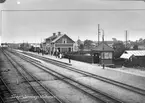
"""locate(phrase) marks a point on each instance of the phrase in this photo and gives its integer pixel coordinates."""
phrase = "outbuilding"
(134, 57)
(103, 54)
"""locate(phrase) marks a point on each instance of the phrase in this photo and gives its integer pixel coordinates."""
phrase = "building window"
(64, 40)
(107, 55)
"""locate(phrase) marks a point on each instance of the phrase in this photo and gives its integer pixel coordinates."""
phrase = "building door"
(58, 49)
(96, 57)
(69, 49)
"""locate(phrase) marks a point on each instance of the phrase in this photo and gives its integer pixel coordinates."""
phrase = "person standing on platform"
(60, 55)
(69, 59)
(42, 52)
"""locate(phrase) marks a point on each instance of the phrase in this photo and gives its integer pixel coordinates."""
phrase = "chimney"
(59, 33)
(54, 34)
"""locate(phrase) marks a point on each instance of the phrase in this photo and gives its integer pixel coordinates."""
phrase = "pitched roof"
(128, 53)
(51, 37)
(100, 47)
(60, 37)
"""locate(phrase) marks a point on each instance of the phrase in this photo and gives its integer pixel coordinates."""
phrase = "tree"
(88, 44)
(32, 48)
(114, 39)
(79, 42)
(119, 48)
(140, 40)
(2, 1)
(25, 46)
(135, 47)
(81, 47)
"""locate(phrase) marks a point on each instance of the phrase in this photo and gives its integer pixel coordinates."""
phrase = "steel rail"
(95, 90)
(9, 90)
(104, 79)
(44, 87)
(101, 78)
(2, 100)
(24, 77)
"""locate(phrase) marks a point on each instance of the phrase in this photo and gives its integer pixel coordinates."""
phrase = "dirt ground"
(140, 71)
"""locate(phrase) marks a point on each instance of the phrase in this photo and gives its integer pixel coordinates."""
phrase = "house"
(58, 43)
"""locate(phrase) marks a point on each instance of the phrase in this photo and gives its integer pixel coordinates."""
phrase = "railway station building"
(58, 43)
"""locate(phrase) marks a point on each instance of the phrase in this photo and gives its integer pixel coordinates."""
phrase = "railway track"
(6, 93)
(110, 81)
(43, 93)
(97, 94)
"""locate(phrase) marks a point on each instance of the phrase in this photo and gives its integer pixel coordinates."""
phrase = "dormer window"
(64, 40)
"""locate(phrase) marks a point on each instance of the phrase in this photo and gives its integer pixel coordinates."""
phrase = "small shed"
(103, 53)
(134, 57)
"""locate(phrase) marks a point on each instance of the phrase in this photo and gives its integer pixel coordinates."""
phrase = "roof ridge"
(58, 37)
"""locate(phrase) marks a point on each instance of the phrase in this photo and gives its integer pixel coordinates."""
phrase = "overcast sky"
(33, 26)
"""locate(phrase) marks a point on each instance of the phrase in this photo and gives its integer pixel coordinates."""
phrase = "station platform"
(129, 78)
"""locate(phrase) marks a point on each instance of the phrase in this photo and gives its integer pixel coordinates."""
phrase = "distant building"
(35, 44)
(25, 46)
(58, 42)
(110, 43)
(4, 45)
(140, 46)
(14, 45)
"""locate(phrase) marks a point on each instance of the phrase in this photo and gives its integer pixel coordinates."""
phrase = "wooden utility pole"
(103, 48)
(126, 39)
(98, 33)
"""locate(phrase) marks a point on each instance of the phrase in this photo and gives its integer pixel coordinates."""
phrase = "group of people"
(58, 55)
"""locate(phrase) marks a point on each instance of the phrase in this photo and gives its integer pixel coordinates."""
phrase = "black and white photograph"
(72, 51)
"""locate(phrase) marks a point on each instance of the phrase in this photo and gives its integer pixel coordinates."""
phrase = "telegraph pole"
(98, 33)
(103, 49)
(41, 46)
(126, 35)
(50, 47)
(23, 46)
